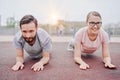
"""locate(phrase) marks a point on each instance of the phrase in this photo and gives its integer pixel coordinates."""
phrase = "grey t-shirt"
(43, 43)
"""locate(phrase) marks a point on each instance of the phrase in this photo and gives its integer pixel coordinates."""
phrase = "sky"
(49, 11)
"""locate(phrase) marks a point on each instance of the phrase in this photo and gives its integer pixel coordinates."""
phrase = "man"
(36, 42)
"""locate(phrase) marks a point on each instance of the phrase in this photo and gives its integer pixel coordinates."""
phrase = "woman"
(88, 40)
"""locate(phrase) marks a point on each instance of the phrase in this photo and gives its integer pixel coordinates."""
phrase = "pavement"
(9, 38)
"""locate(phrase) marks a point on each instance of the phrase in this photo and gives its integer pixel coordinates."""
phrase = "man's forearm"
(44, 60)
(19, 59)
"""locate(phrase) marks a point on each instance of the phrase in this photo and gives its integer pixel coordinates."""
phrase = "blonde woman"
(88, 39)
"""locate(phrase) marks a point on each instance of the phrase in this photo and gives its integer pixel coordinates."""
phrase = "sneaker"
(70, 47)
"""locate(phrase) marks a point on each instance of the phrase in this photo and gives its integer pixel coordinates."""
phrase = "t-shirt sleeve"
(45, 40)
(78, 36)
(16, 43)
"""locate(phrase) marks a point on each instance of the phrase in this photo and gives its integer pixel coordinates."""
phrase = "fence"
(52, 31)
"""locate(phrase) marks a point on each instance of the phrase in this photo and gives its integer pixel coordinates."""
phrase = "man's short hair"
(27, 19)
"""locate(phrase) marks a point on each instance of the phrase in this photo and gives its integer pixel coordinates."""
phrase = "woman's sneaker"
(70, 47)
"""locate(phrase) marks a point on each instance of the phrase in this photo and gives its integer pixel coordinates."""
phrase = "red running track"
(61, 65)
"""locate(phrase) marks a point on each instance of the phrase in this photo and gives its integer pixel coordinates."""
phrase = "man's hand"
(84, 66)
(37, 66)
(40, 65)
(18, 66)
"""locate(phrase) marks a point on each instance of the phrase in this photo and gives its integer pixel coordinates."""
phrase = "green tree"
(10, 22)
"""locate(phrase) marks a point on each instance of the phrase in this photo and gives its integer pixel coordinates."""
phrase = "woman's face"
(94, 24)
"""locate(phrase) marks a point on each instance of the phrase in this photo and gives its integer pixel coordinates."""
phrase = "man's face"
(29, 32)
(94, 23)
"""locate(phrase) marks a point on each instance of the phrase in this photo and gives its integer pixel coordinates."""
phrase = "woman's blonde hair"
(94, 13)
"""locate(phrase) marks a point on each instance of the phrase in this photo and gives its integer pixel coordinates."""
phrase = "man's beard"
(30, 40)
